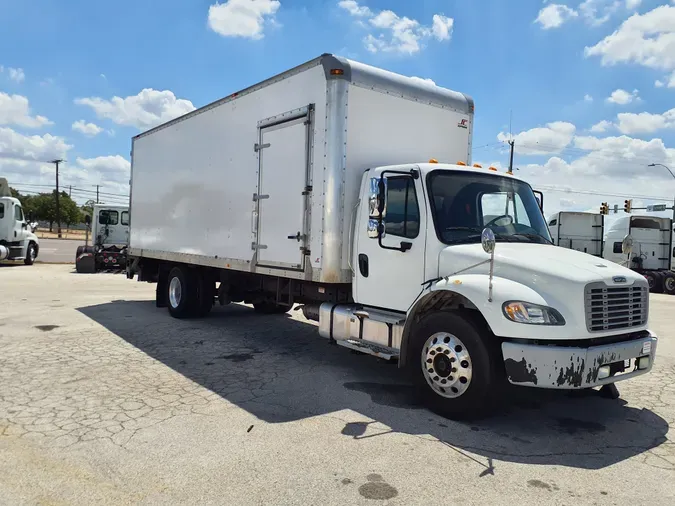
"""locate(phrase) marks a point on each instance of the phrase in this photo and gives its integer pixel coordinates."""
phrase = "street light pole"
(671, 173)
(58, 210)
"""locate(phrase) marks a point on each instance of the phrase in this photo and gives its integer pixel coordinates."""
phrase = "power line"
(599, 193)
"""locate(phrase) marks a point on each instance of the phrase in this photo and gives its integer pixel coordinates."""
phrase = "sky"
(585, 88)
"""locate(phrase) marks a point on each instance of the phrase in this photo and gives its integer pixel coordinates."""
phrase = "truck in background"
(578, 231)
(651, 237)
(110, 238)
(308, 189)
(652, 252)
(17, 240)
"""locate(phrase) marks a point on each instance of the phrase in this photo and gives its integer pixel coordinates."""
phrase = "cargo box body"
(266, 179)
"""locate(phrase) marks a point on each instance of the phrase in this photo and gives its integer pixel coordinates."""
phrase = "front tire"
(31, 254)
(453, 366)
(181, 293)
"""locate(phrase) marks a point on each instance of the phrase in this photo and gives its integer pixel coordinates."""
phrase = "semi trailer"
(110, 237)
(578, 231)
(321, 187)
(17, 240)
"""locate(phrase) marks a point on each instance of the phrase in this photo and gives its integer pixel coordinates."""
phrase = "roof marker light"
(433, 160)
(478, 165)
(461, 163)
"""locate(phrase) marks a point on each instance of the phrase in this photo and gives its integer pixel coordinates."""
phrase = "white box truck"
(578, 231)
(17, 240)
(110, 239)
(307, 188)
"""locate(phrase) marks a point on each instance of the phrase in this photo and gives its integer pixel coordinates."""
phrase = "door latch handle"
(297, 237)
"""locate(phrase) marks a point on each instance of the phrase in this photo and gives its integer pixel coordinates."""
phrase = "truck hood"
(535, 264)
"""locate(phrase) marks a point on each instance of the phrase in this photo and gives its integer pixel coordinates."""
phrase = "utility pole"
(58, 210)
(97, 186)
(512, 143)
(70, 191)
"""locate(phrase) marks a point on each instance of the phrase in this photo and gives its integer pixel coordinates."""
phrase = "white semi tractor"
(110, 237)
(308, 189)
(651, 253)
(17, 240)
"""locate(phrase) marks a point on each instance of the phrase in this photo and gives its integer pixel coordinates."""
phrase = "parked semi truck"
(110, 237)
(652, 250)
(308, 189)
(17, 240)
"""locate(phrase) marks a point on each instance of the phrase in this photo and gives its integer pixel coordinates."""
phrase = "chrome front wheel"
(446, 365)
(175, 292)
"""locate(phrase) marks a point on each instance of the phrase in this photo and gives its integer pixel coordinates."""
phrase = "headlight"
(533, 314)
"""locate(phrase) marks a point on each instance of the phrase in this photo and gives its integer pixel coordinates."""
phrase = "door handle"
(297, 237)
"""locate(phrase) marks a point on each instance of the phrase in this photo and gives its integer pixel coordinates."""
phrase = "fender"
(471, 291)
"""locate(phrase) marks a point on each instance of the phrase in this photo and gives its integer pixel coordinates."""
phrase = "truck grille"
(616, 307)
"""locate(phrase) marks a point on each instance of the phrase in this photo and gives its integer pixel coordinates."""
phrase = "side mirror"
(627, 245)
(87, 219)
(24, 225)
(539, 196)
(376, 199)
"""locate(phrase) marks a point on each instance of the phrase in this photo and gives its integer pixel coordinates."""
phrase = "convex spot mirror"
(488, 241)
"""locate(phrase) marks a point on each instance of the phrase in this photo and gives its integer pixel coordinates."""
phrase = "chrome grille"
(616, 307)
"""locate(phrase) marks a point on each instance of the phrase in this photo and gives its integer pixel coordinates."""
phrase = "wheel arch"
(435, 301)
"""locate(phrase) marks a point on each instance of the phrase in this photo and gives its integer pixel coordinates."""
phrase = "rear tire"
(651, 280)
(181, 293)
(31, 254)
(453, 366)
(669, 283)
(658, 281)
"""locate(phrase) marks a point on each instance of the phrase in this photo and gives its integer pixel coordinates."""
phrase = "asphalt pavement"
(105, 399)
(58, 251)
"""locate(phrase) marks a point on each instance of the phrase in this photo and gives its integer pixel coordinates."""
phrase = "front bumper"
(561, 367)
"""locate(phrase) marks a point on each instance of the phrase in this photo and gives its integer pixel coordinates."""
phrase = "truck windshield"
(463, 203)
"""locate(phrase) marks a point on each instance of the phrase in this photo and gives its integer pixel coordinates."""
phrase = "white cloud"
(602, 126)
(554, 15)
(15, 110)
(588, 98)
(423, 80)
(17, 148)
(16, 75)
(146, 110)
(442, 27)
(671, 80)
(622, 97)
(355, 9)
(646, 39)
(88, 129)
(242, 18)
(659, 84)
(645, 122)
(395, 34)
(552, 138)
(633, 4)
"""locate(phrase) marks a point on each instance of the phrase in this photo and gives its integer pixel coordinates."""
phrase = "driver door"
(389, 272)
(20, 226)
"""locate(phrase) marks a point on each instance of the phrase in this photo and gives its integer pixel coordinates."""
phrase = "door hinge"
(257, 197)
(259, 147)
(255, 246)
(307, 190)
(305, 251)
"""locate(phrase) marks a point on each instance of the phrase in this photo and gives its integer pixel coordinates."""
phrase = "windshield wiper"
(535, 237)
(468, 229)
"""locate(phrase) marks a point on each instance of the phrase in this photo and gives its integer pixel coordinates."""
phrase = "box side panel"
(383, 129)
(193, 181)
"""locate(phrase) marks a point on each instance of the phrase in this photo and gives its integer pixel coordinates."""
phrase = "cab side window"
(18, 213)
(108, 218)
(403, 212)
(125, 218)
(2, 210)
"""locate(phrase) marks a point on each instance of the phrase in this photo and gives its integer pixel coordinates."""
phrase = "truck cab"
(455, 274)
(110, 237)
(17, 241)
